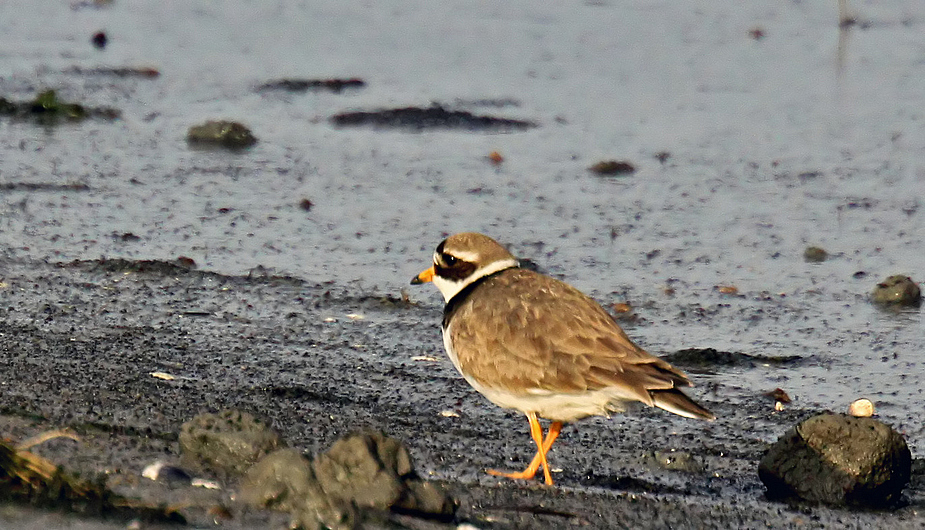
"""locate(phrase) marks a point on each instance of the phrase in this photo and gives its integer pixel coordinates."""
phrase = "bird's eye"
(450, 260)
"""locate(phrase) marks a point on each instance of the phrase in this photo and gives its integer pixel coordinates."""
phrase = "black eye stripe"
(449, 266)
(455, 271)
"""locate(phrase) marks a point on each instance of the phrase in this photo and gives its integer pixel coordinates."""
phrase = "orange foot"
(542, 445)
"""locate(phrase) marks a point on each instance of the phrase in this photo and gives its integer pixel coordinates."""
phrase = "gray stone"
(227, 443)
(838, 459)
(365, 468)
(361, 479)
(897, 290)
(815, 255)
(285, 480)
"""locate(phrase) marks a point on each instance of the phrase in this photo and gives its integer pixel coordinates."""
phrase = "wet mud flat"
(81, 341)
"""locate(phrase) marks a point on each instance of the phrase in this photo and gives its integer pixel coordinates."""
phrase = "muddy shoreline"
(80, 341)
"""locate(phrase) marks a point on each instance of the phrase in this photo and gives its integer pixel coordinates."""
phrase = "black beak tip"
(416, 281)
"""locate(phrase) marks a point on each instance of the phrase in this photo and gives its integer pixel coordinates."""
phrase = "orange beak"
(425, 276)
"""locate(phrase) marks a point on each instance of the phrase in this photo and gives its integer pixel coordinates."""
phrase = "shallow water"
(809, 135)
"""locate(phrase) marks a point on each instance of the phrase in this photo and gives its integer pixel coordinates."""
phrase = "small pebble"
(612, 167)
(779, 395)
(897, 290)
(815, 255)
(99, 39)
(862, 408)
(622, 307)
(160, 472)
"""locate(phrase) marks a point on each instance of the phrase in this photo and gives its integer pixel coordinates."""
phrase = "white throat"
(450, 288)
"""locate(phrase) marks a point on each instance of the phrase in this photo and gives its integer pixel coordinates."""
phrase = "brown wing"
(525, 331)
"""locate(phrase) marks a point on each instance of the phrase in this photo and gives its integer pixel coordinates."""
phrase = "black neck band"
(452, 305)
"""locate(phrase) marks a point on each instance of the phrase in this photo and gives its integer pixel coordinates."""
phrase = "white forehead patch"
(465, 255)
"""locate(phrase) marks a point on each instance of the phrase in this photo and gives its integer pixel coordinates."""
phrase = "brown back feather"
(529, 331)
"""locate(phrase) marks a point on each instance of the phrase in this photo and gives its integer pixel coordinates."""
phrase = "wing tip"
(679, 403)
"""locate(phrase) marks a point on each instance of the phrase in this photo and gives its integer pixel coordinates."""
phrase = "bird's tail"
(677, 402)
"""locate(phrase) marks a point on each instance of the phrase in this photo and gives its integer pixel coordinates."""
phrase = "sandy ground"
(81, 341)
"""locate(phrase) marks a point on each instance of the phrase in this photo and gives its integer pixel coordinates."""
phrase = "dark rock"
(612, 167)
(227, 443)
(125, 236)
(838, 459)
(362, 477)
(185, 262)
(221, 133)
(99, 39)
(779, 395)
(815, 255)
(365, 468)
(897, 290)
(434, 117)
(285, 481)
(375, 471)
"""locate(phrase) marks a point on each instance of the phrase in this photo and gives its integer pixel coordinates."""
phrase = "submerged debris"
(167, 268)
(29, 478)
(897, 290)
(42, 186)
(711, 358)
(144, 72)
(304, 85)
(434, 117)
(228, 134)
(47, 109)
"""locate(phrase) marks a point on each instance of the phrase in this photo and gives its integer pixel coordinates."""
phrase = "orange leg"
(542, 445)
